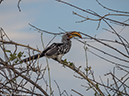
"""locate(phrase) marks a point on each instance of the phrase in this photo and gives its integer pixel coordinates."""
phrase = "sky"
(49, 15)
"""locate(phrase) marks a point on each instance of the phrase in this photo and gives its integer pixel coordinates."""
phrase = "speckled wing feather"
(50, 51)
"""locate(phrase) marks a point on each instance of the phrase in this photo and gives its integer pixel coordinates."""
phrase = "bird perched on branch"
(56, 50)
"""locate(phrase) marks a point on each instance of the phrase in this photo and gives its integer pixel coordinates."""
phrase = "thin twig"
(5, 34)
(105, 44)
(118, 37)
(111, 9)
(83, 75)
(92, 13)
(58, 87)
(77, 92)
(49, 75)
(18, 44)
(117, 64)
(112, 89)
(45, 30)
(18, 5)
(103, 84)
(26, 78)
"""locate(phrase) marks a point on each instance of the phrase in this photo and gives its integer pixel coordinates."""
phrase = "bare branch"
(111, 9)
(18, 44)
(118, 37)
(40, 30)
(29, 80)
(117, 64)
(105, 44)
(75, 69)
(77, 92)
(103, 84)
(18, 5)
(58, 87)
(93, 13)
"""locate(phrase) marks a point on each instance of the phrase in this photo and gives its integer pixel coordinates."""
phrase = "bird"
(56, 50)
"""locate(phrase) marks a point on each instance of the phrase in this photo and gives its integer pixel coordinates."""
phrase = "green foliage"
(96, 94)
(71, 63)
(97, 85)
(119, 94)
(20, 54)
(8, 51)
(14, 56)
(65, 61)
(88, 68)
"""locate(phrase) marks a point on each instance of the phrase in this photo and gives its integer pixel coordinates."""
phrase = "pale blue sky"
(49, 15)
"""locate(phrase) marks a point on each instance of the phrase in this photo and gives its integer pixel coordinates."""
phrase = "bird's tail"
(33, 57)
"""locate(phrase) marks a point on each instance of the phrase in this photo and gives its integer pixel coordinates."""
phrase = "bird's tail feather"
(33, 57)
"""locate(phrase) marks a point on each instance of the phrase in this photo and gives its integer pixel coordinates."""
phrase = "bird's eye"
(68, 35)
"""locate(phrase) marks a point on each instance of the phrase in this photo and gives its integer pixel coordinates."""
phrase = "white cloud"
(15, 23)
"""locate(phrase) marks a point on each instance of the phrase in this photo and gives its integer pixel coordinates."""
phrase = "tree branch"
(18, 44)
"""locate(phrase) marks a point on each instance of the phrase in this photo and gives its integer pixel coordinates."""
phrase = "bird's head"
(69, 35)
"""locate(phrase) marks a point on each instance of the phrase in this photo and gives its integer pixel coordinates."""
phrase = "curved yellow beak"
(75, 34)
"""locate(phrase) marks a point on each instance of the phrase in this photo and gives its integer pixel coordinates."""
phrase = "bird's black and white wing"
(56, 51)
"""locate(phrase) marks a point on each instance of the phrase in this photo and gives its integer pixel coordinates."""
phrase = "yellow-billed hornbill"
(56, 50)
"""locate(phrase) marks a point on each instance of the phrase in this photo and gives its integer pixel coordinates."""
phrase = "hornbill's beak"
(75, 34)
